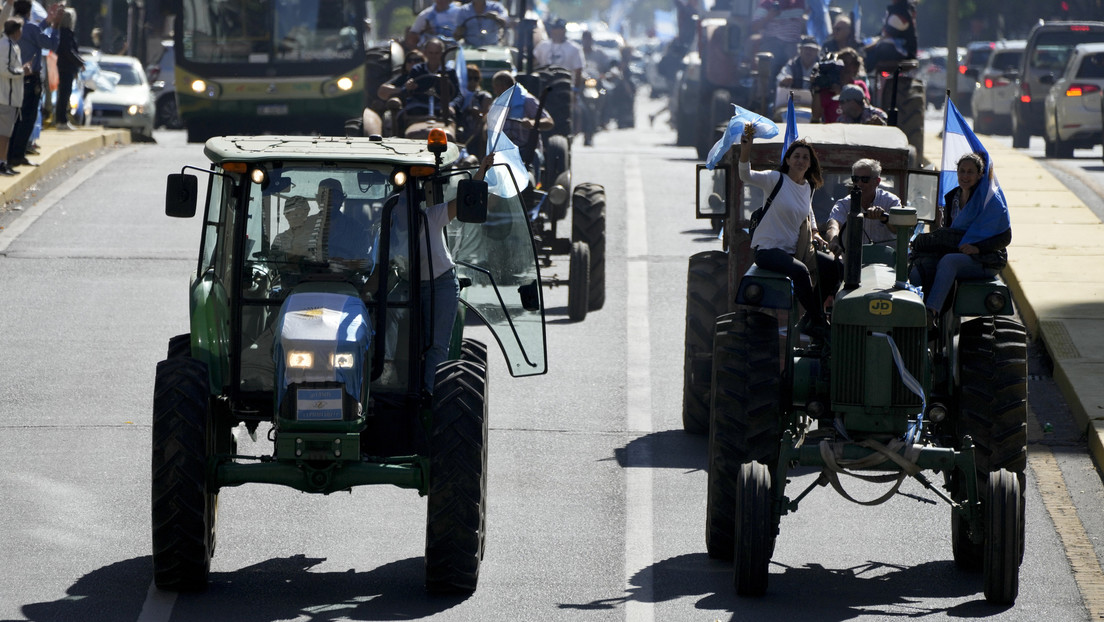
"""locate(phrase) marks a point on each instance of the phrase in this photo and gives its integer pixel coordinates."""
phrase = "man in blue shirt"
(486, 29)
(30, 48)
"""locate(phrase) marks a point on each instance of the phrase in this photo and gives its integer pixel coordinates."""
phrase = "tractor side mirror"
(712, 192)
(530, 296)
(181, 194)
(471, 201)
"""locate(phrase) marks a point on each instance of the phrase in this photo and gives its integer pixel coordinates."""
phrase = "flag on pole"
(986, 213)
(856, 21)
(791, 127)
(764, 128)
(818, 25)
(461, 67)
(511, 104)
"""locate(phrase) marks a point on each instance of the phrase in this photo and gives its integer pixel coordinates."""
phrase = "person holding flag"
(972, 229)
(777, 240)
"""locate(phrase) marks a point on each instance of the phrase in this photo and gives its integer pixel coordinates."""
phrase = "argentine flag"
(986, 213)
(764, 128)
(791, 128)
(511, 104)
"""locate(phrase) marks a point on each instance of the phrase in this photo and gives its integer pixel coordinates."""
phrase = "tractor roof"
(353, 149)
(838, 145)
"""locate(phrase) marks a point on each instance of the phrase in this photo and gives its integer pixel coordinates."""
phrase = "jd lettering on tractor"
(317, 327)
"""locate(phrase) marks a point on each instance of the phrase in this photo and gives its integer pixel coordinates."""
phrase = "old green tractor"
(886, 398)
(310, 326)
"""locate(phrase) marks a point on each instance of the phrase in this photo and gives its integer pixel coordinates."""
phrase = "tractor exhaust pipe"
(852, 242)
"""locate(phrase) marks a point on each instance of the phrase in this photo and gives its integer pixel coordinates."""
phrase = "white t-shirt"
(444, 22)
(566, 54)
(436, 219)
(793, 204)
(874, 231)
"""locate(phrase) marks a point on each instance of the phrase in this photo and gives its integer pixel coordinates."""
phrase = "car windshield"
(244, 31)
(1052, 49)
(1007, 60)
(129, 75)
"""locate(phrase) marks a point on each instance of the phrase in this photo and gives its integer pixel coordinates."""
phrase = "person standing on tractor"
(866, 175)
(853, 108)
(484, 31)
(557, 50)
(798, 72)
(843, 36)
(898, 39)
(780, 24)
(777, 241)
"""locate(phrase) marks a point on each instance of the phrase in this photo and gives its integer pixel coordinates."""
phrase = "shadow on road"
(276, 589)
(668, 449)
(873, 589)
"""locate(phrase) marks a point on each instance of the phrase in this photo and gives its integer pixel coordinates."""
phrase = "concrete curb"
(55, 150)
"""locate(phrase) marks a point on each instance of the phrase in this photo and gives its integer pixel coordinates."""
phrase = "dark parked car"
(1048, 50)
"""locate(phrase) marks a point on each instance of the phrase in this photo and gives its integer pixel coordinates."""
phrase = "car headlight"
(136, 109)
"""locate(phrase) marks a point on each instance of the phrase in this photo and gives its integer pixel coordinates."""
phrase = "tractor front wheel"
(457, 507)
(184, 504)
(1004, 521)
(754, 529)
(578, 282)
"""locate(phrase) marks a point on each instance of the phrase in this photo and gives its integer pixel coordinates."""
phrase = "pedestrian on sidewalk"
(69, 64)
(31, 44)
(11, 87)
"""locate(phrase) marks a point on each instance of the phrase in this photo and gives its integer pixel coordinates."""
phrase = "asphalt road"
(596, 499)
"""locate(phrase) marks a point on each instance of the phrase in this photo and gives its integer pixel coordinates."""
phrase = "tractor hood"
(322, 336)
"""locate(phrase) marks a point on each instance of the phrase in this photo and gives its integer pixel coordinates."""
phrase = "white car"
(129, 104)
(991, 107)
(1072, 112)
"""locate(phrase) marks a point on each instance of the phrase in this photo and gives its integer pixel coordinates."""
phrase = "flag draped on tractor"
(509, 105)
(986, 213)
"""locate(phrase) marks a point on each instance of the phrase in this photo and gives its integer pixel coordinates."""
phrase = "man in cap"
(557, 50)
(797, 73)
(853, 107)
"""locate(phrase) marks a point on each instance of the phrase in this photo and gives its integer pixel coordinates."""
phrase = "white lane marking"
(29, 216)
(158, 606)
(639, 555)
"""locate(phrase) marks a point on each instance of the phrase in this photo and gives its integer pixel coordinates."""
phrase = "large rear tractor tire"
(992, 394)
(754, 530)
(578, 282)
(457, 508)
(184, 504)
(556, 159)
(910, 114)
(745, 416)
(1004, 533)
(180, 345)
(474, 351)
(588, 224)
(706, 299)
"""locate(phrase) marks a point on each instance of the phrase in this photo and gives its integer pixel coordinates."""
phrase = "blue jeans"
(953, 267)
(445, 290)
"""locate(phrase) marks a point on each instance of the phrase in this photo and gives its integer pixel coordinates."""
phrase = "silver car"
(129, 104)
(1073, 105)
(991, 107)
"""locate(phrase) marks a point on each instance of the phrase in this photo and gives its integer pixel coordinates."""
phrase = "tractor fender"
(210, 322)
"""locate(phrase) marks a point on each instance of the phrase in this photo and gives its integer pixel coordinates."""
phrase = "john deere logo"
(881, 307)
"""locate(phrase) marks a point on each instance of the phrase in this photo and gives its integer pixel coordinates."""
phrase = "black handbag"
(757, 215)
(940, 241)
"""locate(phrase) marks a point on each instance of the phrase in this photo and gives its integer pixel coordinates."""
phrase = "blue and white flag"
(460, 66)
(856, 21)
(986, 213)
(819, 24)
(791, 127)
(511, 104)
(764, 128)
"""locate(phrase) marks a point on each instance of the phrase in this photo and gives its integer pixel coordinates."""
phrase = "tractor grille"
(850, 373)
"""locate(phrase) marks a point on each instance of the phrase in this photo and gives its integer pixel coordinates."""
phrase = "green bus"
(262, 66)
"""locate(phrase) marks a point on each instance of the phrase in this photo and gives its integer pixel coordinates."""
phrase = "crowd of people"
(30, 30)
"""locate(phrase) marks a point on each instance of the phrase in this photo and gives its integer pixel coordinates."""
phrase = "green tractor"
(887, 397)
(322, 340)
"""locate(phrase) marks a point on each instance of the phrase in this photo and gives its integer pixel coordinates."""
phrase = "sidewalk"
(1056, 273)
(55, 149)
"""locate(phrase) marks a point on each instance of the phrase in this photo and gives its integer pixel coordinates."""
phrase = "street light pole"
(952, 49)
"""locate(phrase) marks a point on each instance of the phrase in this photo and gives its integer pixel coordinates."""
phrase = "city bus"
(260, 66)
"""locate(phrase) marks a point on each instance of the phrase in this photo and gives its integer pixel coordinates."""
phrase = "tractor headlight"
(937, 413)
(299, 359)
(995, 301)
(342, 360)
(753, 293)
